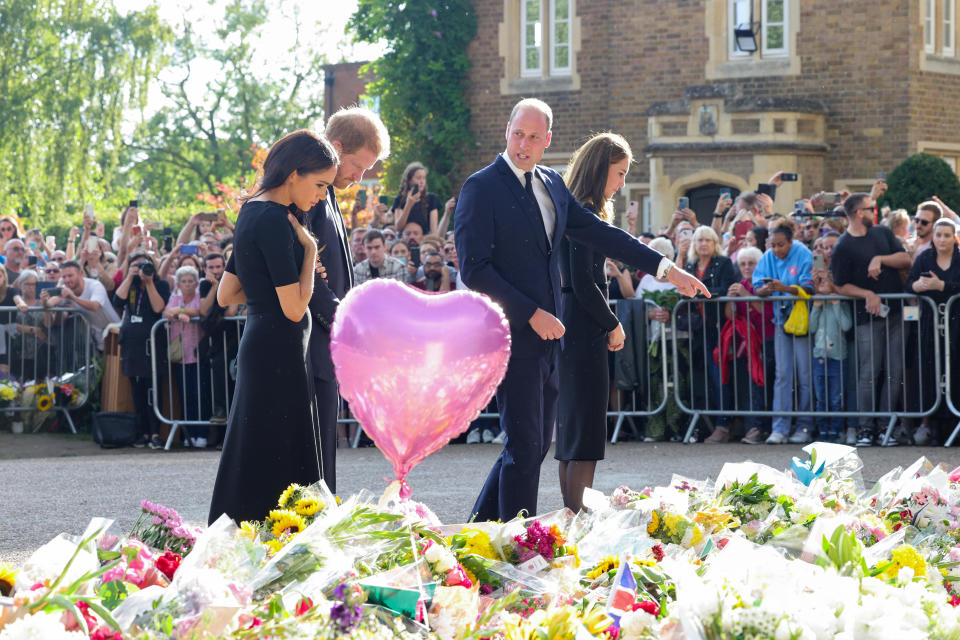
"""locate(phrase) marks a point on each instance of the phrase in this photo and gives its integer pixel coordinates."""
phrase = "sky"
(326, 19)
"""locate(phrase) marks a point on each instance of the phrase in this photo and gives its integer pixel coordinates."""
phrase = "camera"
(146, 268)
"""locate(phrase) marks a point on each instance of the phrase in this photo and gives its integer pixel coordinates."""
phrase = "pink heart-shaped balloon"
(417, 367)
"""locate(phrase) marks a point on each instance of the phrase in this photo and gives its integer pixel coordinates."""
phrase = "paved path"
(53, 483)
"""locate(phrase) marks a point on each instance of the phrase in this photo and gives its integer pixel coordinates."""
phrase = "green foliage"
(917, 179)
(420, 82)
(844, 552)
(67, 72)
(195, 144)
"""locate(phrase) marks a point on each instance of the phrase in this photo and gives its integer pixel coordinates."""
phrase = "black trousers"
(328, 407)
(146, 420)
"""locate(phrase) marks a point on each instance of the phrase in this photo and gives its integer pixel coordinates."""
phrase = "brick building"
(835, 91)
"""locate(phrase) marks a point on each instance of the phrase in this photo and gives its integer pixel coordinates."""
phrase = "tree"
(917, 179)
(199, 141)
(420, 81)
(67, 72)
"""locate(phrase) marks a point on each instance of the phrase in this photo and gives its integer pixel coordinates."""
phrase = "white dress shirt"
(549, 213)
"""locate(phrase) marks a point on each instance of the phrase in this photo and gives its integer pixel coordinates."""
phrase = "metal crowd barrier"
(42, 345)
(948, 331)
(872, 349)
(204, 386)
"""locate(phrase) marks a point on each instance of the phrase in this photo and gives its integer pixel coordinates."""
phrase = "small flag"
(623, 594)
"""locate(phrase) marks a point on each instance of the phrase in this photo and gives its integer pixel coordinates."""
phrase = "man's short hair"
(432, 254)
(410, 222)
(748, 199)
(357, 127)
(932, 207)
(70, 264)
(536, 104)
(852, 204)
(213, 256)
(373, 234)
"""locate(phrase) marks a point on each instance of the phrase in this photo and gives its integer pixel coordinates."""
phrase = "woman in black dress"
(415, 204)
(272, 437)
(597, 171)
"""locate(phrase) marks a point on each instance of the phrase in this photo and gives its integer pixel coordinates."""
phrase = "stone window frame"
(724, 62)
(949, 152)
(516, 79)
(937, 54)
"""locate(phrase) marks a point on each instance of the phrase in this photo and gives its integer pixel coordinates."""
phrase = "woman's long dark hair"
(586, 176)
(302, 151)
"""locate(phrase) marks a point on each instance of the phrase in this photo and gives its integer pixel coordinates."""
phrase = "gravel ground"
(54, 483)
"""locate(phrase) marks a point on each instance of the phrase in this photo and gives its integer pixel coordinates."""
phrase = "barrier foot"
(689, 439)
(66, 415)
(173, 433)
(953, 436)
(356, 438)
(616, 429)
(890, 425)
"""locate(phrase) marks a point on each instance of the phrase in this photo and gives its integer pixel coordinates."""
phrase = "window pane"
(561, 9)
(530, 38)
(775, 37)
(741, 12)
(774, 10)
(533, 58)
(561, 57)
(533, 10)
(563, 33)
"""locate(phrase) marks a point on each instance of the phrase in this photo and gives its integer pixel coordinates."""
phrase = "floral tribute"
(755, 553)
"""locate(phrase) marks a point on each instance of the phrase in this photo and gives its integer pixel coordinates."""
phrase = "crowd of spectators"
(736, 355)
(848, 252)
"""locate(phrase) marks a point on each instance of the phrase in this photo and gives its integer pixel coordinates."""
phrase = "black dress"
(583, 366)
(271, 438)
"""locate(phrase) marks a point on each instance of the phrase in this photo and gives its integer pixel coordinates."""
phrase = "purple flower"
(345, 616)
(438, 34)
(340, 591)
(433, 12)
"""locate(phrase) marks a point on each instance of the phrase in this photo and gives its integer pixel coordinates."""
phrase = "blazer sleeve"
(585, 288)
(584, 226)
(324, 302)
(475, 237)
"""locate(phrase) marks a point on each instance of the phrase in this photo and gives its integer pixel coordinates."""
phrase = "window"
(773, 34)
(560, 36)
(740, 14)
(928, 32)
(532, 30)
(546, 38)
(773, 29)
(947, 19)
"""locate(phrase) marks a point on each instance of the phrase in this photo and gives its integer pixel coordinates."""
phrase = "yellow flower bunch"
(248, 530)
(7, 394)
(654, 523)
(8, 576)
(714, 519)
(284, 521)
(557, 623)
(288, 494)
(477, 542)
(308, 506)
(906, 556)
(607, 564)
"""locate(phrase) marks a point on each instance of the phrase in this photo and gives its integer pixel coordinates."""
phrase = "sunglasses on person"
(922, 222)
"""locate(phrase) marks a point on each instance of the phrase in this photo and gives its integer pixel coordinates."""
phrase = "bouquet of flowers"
(9, 392)
(162, 528)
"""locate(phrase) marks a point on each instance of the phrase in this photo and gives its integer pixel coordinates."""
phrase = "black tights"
(146, 421)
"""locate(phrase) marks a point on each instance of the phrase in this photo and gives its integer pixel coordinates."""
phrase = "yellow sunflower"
(609, 563)
(7, 577)
(44, 403)
(248, 530)
(654, 523)
(285, 521)
(308, 506)
(274, 545)
(288, 494)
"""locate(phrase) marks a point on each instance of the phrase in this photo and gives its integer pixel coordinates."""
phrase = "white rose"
(440, 558)
(634, 623)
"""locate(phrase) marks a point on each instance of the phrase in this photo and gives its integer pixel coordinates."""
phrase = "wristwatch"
(717, 215)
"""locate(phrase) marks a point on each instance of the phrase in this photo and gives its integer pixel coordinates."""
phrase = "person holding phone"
(784, 267)
(936, 275)
(415, 204)
(30, 357)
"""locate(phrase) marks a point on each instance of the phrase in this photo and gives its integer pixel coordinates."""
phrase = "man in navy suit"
(509, 217)
(360, 138)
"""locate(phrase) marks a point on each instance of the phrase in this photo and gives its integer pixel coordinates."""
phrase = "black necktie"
(528, 186)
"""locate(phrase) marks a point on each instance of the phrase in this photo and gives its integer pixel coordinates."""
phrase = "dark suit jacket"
(503, 252)
(327, 225)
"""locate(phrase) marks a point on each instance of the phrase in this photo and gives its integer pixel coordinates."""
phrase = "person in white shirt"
(85, 294)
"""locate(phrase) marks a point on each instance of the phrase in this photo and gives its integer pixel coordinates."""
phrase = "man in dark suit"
(360, 138)
(509, 217)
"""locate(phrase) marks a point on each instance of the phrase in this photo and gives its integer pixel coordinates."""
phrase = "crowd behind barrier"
(727, 363)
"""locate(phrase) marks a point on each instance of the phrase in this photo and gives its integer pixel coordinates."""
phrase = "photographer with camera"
(142, 298)
(85, 294)
(415, 204)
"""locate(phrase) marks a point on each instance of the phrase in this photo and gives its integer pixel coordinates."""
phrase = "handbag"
(114, 429)
(799, 320)
(175, 349)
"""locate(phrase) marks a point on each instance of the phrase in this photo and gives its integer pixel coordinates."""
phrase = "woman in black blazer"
(597, 171)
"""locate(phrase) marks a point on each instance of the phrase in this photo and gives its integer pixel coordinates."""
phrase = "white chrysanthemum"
(440, 557)
(39, 626)
(634, 623)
